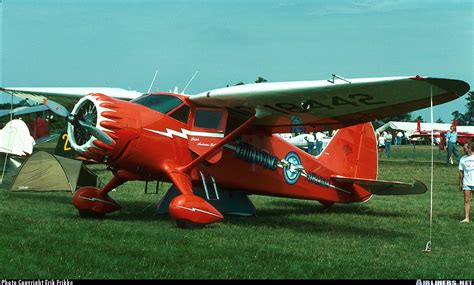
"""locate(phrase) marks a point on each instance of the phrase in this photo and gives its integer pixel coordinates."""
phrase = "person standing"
(310, 139)
(466, 177)
(381, 143)
(451, 139)
(399, 137)
(319, 142)
(388, 142)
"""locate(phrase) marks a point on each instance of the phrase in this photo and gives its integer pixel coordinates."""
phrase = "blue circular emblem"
(291, 175)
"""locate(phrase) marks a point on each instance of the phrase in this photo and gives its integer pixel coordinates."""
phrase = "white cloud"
(363, 7)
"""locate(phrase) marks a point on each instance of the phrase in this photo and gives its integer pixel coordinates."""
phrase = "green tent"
(43, 171)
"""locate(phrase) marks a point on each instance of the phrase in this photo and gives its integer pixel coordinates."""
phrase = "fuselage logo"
(290, 171)
(291, 165)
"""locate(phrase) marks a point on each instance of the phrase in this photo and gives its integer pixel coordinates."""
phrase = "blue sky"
(118, 43)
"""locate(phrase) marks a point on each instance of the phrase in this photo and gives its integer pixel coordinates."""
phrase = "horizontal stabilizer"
(382, 187)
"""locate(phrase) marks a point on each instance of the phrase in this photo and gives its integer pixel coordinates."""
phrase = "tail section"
(352, 152)
(382, 187)
(352, 156)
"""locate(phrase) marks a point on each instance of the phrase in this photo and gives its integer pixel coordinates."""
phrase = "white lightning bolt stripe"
(97, 199)
(198, 210)
(184, 133)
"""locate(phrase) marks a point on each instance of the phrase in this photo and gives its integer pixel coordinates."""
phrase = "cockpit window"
(160, 103)
(181, 114)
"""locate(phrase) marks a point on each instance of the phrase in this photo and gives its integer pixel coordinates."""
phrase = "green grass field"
(42, 235)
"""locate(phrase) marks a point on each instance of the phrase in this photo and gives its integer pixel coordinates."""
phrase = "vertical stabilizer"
(352, 152)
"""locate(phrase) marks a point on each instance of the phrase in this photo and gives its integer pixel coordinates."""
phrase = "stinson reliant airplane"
(220, 145)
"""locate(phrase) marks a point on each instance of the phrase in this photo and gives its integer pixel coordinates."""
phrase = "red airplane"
(38, 126)
(225, 139)
(465, 134)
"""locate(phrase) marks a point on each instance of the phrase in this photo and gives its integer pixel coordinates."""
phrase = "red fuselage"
(148, 145)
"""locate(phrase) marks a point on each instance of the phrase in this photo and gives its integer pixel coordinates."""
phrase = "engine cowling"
(92, 109)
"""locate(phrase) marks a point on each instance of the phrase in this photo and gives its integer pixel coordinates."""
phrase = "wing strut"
(258, 115)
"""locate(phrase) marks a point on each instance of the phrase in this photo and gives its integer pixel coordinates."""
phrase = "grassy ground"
(42, 235)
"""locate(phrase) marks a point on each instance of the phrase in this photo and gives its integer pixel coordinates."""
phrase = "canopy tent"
(410, 127)
(15, 138)
(43, 171)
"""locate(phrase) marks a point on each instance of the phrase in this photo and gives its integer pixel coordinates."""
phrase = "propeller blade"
(96, 132)
(60, 110)
(56, 108)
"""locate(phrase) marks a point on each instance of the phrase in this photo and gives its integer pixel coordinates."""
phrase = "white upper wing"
(331, 104)
(23, 110)
(67, 95)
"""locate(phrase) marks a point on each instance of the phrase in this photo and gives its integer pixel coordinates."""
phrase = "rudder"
(352, 152)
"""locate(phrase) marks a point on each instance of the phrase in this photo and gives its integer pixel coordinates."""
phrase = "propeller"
(60, 110)
(56, 108)
(96, 132)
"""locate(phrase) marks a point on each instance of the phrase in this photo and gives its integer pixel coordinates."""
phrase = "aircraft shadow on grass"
(281, 209)
(284, 214)
(304, 208)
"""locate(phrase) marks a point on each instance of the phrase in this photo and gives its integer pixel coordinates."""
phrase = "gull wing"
(330, 104)
(67, 96)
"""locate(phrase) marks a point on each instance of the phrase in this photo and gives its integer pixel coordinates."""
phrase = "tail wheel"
(326, 206)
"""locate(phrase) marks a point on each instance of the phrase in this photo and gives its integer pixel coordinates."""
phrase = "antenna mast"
(189, 82)
(153, 81)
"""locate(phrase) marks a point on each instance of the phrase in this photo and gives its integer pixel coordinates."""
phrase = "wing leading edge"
(325, 104)
(67, 95)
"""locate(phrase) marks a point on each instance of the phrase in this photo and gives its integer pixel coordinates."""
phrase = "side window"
(181, 114)
(210, 119)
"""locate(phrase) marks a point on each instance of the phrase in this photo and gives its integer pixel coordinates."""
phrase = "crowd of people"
(386, 139)
(465, 166)
(465, 163)
(315, 142)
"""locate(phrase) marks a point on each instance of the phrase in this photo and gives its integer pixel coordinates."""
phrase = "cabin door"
(208, 128)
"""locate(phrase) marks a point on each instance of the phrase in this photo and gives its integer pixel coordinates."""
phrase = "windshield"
(160, 103)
